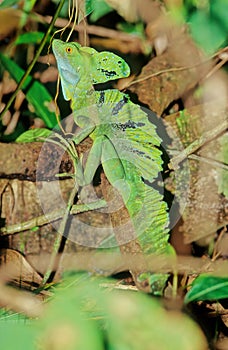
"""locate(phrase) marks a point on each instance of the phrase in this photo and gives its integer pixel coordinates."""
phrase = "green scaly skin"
(124, 141)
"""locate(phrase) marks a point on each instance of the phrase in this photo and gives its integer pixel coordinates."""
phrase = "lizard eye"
(69, 49)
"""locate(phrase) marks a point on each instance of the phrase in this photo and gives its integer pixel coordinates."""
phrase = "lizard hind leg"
(92, 162)
(113, 167)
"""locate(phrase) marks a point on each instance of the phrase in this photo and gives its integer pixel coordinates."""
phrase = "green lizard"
(124, 142)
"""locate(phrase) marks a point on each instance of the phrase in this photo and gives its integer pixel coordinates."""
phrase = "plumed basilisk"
(125, 142)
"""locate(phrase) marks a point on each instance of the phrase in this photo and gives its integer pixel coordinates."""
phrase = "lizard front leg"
(86, 126)
(112, 165)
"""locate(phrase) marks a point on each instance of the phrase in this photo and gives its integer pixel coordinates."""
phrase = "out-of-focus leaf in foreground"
(23, 336)
(125, 319)
(86, 313)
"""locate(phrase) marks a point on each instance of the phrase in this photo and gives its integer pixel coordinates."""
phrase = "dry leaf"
(9, 21)
(20, 301)
(169, 76)
(134, 10)
(127, 9)
(19, 269)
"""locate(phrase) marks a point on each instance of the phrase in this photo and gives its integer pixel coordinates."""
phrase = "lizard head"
(67, 55)
(86, 66)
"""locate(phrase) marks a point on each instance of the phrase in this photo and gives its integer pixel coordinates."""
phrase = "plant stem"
(50, 217)
(195, 145)
(31, 65)
(54, 260)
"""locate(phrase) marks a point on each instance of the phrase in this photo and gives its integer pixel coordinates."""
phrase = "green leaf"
(85, 7)
(29, 38)
(207, 32)
(23, 336)
(219, 10)
(100, 9)
(132, 28)
(8, 3)
(89, 7)
(208, 287)
(35, 228)
(97, 9)
(36, 93)
(34, 135)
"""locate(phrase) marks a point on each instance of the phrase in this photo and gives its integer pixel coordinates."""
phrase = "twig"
(62, 234)
(169, 70)
(212, 162)
(179, 69)
(95, 30)
(108, 263)
(195, 145)
(50, 217)
(217, 67)
(55, 255)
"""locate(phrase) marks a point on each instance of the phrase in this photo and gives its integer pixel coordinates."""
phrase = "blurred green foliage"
(208, 22)
(83, 315)
(36, 93)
